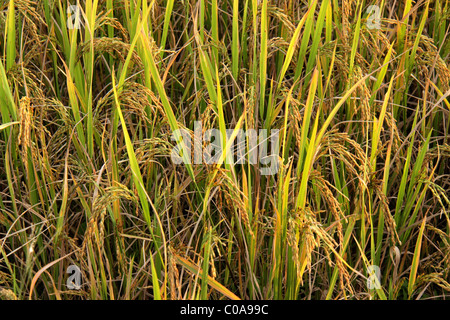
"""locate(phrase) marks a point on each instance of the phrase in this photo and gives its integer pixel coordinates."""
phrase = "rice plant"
(224, 149)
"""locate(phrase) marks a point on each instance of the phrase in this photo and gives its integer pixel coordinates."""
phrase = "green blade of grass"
(10, 34)
(207, 245)
(292, 46)
(168, 14)
(263, 58)
(416, 259)
(235, 41)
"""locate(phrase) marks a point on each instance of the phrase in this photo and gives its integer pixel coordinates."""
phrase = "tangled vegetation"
(92, 93)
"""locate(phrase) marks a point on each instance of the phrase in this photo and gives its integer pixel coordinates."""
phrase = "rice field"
(224, 149)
